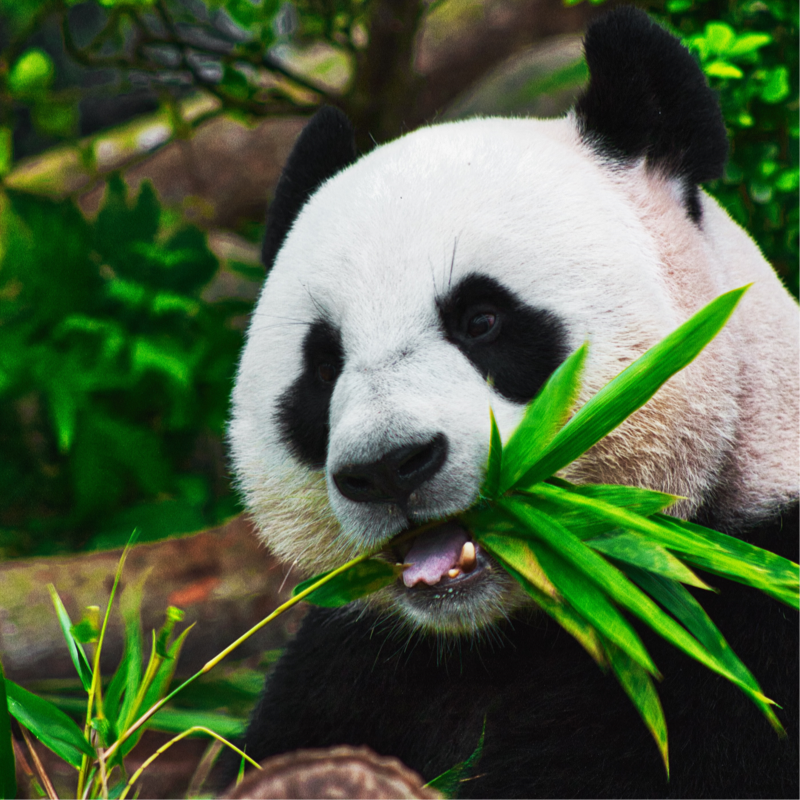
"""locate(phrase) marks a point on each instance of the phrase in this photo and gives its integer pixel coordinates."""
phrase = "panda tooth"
(467, 558)
(453, 573)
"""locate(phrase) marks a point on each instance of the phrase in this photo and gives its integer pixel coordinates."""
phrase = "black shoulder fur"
(556, 726)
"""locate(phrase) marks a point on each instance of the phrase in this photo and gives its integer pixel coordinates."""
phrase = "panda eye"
(327, 373)
(481, 324)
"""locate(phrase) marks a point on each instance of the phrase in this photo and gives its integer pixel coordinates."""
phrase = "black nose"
(392, 478)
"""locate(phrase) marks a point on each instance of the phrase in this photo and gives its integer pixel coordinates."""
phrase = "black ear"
(325, 146)
(647, 96)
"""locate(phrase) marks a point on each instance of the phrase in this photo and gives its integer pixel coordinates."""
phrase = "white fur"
(611, 252)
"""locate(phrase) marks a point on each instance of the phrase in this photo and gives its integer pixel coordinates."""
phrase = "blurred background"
(140, 144)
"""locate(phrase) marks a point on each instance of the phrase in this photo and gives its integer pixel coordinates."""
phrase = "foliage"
(117, 713)
(111, 368)
(587, 553)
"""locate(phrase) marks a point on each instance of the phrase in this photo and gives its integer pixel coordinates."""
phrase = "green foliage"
(8, 782)
(112, 371)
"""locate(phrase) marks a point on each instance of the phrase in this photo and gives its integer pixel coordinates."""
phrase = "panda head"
(453, 270)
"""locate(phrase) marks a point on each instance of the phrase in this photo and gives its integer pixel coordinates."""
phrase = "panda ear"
(647, 96)
(325, 146)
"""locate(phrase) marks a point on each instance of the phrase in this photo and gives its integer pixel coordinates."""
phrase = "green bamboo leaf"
(638, 685)
(632, 388)
(679, 602)
(8, 779)
(588, 526)
(360, 580)
(641, 552)
(566, 616)
(589, 601)
(491, 483)
(518, 554)
(543, 418)
(447, 783)
(76, 652)
(51, 726)
(618, 587)
(174, 720)
(731, 557)
(158, 687)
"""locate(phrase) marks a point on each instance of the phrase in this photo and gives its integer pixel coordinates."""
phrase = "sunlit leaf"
(360, 580)
(51, 726)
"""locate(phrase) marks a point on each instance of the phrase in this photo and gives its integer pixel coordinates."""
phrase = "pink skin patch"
(434, 553)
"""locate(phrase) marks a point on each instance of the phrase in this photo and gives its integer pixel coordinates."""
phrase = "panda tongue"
(434, 553)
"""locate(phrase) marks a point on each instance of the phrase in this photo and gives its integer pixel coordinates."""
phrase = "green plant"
(113, 372)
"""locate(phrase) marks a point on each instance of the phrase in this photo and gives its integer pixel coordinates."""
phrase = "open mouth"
(442, 556)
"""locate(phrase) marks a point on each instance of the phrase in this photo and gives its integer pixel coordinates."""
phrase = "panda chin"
(451, 585)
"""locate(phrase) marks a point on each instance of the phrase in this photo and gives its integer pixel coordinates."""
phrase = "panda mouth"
(442, 556)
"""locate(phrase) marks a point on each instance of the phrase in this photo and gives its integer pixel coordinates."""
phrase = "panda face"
(450, 272)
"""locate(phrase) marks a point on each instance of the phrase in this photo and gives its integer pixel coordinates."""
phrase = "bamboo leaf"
(518, 554)
(566, 616)
(638, 685)
(360, 580)
(76, 652)
(637, 550)
(544, 416)
(679, 602)
(8, 780)
(619, 588)
(591, 603)
(632, 388)
(51, 726)
(588, 526)
(491, 483)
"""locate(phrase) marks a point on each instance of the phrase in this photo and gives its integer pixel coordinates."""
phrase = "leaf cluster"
(112, 370)
(590, 556)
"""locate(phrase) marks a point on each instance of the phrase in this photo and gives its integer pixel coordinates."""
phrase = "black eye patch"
(304, 407)
(515, 344)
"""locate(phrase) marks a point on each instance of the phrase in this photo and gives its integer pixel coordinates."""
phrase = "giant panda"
(450, 271)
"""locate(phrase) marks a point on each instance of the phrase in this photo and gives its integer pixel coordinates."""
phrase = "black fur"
(556, 726)
(647, 96)
(304, 407)
(325, 147)
(523, 349)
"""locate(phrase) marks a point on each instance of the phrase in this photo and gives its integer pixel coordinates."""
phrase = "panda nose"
(395, 476)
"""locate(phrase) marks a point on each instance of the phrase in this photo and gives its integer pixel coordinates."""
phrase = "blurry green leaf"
(360, 580)
(171, 720)
(748, 43)
(161, 357)
(639, 687)
(722, 69)
(678, 6)
(32, 72)
(76, 652)
(64, 408)
(6, 149)
(87, 630)
(8, 781)
(173, 616)
(632, 388)
(719, 36)
(56, 118)
(777, 87)
(51, 726)
(543, 418)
